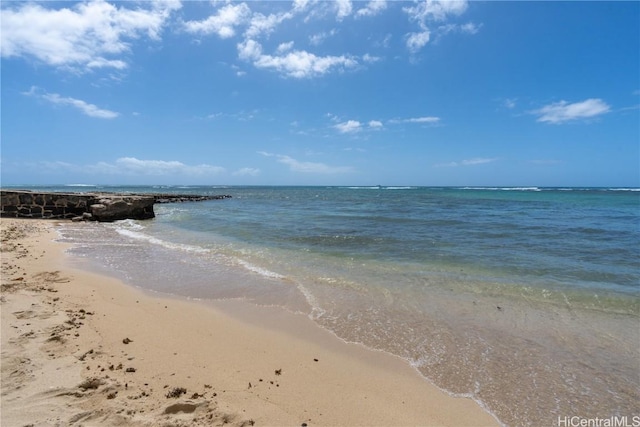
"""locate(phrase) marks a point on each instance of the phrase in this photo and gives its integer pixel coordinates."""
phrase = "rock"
(91, 383)
(176, 392)
(115, 208)
(105, 207)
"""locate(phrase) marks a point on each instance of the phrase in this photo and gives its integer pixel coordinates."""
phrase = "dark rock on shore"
(103, 207)
(179, 198)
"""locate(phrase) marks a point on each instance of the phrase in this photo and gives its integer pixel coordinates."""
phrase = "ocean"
(525, 299)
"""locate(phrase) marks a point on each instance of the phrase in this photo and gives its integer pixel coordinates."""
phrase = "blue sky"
(321, 93)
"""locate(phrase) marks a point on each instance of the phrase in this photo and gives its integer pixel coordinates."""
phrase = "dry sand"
(83, 349)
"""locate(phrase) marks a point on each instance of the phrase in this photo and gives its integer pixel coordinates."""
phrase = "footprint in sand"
(187, 408)
(26, 314)
(51, 277)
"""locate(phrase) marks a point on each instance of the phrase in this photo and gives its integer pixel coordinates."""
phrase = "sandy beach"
(79, 348)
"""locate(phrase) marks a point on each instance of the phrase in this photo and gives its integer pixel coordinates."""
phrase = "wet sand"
(79, 348)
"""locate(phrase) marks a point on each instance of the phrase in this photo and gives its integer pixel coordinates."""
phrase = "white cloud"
(372, 8)
(468, 28)
(369, 59)
(308, 167)
(87, 36)
(134, 166)
(284, 47)
(477, 161)
(343, 9)
(354, 126)
(350, 126)
(223, 23)
(265, 24)
(509, 103)
(87, 109)
(249, 50)
(318, 38)
(436, 10)
(428, 13)
(425, 119)
(562, 111)
(247, 172)
(298, 64)
(416, 41)
(469, 162)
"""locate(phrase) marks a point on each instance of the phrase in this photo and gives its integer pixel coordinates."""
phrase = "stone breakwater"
(103, 207)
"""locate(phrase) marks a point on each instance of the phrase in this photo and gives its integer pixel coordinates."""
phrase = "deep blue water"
(527, 299)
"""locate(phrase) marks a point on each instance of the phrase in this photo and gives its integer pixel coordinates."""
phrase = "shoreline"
(83, 348)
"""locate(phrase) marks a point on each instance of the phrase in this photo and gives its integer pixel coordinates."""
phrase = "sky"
(425, 93)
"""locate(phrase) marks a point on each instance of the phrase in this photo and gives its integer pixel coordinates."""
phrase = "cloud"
(223, 23)
(469, 162)
(319, 38)
(468, 28)
(509, 103)
(343, 9)
(416, 41)
(370, 59)
(297, 63)
(308, 167)
(372, 8)
(87, 36)
(284, 47)
(266, 24)
(134, 166)
(562, 111)
(131, 167)
(247, 172)
(435, 10)
(428, 13)
(87, 109)
(355, 126)
(350, 126)
(425, 119)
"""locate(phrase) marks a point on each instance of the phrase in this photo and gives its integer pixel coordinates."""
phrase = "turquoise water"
(526, 299)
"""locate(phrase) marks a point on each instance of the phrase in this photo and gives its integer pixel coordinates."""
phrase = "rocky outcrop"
(104, 207)
(114, 208)
(177, 198)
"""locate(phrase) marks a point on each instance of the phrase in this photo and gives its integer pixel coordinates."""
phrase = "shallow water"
(526, 299)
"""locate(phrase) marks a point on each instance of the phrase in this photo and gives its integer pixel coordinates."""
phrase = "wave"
(261, 271)
(131, 229)
(596, 189)
(632, 189)
(154, 240)
(399, 188)
(379, 187)
(503, 188)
